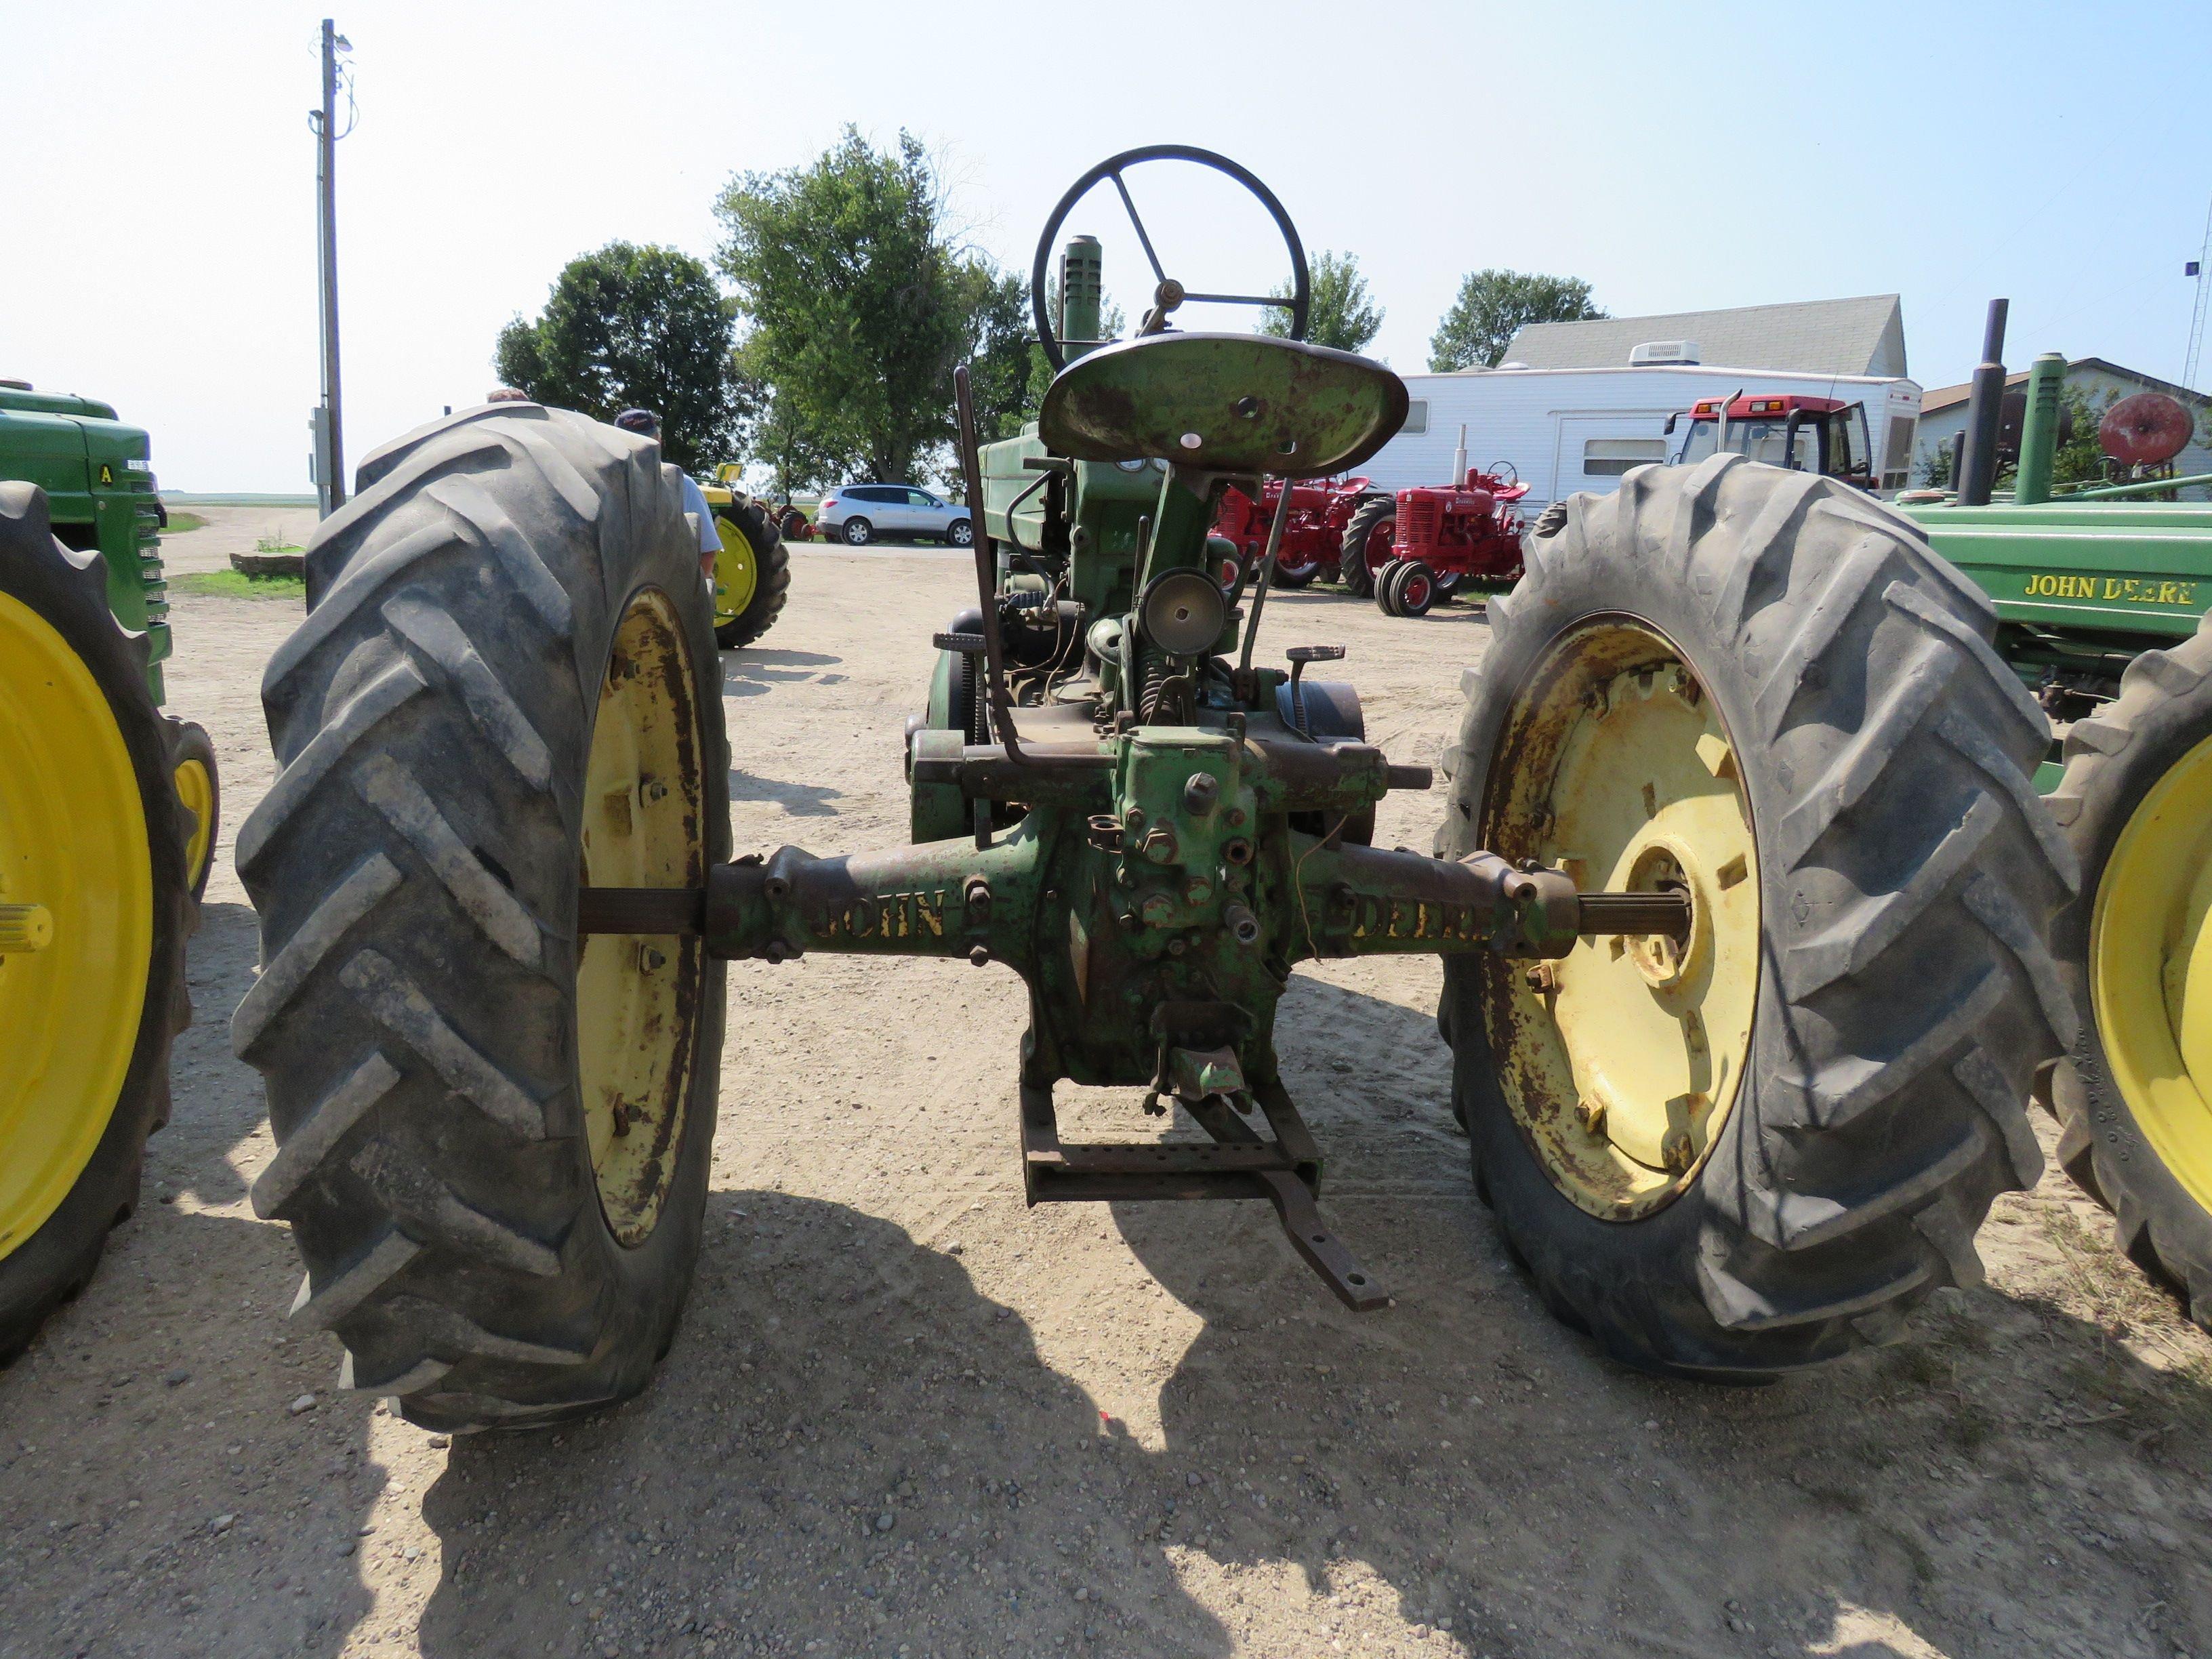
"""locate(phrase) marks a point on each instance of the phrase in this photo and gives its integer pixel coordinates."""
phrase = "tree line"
(822, 340)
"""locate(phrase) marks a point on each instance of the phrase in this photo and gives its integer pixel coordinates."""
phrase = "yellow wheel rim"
(1620, 1063)
(2150, 968)
(637, 998)
(736, 573)
(76, 918)
(196, 791)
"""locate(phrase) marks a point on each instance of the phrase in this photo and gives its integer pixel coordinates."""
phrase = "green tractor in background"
(107, 821)
(1744, 953)
(2102, 599)
(752, 574)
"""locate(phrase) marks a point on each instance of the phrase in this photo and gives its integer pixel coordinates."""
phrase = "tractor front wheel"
(493, 1134)
(95, 911)
(2134, 1096)
(1413, 591)
(200, 791)
(1297, 569)
(1751, 1150)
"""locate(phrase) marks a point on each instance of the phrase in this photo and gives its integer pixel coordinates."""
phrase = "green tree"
(1341, 312)
(1492, 306)
(630, 326)
(861, 307)
(2080, 458)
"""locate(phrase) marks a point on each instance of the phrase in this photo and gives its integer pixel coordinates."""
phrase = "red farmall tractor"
(1409, 551)
(1313, 535)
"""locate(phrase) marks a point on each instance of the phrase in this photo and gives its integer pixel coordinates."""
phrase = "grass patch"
(235, 585)
(180, 522)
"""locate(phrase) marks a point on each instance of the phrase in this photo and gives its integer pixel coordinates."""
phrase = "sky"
(157, 238)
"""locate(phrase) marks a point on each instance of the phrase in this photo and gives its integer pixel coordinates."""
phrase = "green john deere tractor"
(107, 820)
(2102, 600)
(1741, 884)
(752, 572)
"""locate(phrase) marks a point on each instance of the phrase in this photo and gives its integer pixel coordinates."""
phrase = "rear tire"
(858, 532)
(2143, 1153)
(963, 534)
(771, 575)
(1894, 994)
(53, 598)
(507, 678)
(1356, 570)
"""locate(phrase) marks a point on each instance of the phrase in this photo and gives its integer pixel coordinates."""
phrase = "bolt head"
(1675, 1150)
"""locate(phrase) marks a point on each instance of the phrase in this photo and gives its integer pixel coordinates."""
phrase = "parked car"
(861, 513)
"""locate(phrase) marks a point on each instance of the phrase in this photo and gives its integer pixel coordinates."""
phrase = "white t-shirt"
(694, 501)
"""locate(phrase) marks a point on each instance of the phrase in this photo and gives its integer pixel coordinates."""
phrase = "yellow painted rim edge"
(2150, 968)
(73, 840)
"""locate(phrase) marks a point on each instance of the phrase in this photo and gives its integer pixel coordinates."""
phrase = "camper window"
(1608, 458)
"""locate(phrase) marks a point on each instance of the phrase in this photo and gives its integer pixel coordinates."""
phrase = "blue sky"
(159, 206)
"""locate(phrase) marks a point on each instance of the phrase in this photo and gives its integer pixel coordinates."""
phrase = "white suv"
(861, 514)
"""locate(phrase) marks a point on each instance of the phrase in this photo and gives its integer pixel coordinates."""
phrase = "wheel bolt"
(1542, 980)
(649, 959)
(1591, 1114)
(1675, 1150)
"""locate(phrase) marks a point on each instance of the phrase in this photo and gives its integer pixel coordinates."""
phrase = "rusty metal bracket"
(1237, 1165)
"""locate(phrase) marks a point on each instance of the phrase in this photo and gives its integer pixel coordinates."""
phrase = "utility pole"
(2198, 269)
(328, 428)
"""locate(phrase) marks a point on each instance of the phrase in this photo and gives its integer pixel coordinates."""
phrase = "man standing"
(646, 424)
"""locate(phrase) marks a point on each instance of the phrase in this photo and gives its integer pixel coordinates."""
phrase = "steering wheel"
(1167, 293)
(1510, 472)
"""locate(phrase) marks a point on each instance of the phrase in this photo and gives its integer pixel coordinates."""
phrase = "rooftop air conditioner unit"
(1653, 352)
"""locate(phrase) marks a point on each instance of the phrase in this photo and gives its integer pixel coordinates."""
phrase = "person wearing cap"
(646, 424)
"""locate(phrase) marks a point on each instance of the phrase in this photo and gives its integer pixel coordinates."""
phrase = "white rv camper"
(1562, 430)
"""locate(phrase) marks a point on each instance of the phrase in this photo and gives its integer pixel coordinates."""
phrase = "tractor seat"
(1224, 402)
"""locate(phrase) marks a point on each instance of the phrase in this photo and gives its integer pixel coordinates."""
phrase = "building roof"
(1935, 402)
(1862, 335)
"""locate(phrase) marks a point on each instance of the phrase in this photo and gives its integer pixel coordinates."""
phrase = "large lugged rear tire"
(752, 574)
(95, 911)
(1753, 1153)
(2134, 1096)
(493, 1138)
(1355, 568)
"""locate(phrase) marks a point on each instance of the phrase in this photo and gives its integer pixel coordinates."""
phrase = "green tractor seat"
(1224, 402)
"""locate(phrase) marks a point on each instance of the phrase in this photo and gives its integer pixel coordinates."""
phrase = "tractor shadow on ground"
(1489, 1468)
(217, 1102)
(798, 800)
(150, 1452)
(756, 669)
(847, 1444)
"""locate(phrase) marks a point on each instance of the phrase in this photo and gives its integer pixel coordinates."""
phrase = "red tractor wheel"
(1386, 587)
(1413, 589)
(1367, 542)
(1295, 570)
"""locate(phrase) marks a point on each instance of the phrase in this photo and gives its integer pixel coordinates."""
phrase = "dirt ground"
(907, 1417)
